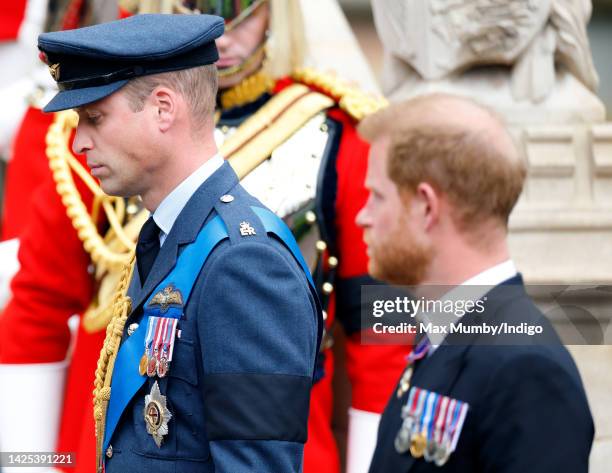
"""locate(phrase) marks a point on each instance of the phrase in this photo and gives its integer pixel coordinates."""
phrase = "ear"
(427, 201)
(165, 106)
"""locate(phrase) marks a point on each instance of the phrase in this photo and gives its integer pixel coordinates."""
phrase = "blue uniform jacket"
(528, 409)
(239, 383)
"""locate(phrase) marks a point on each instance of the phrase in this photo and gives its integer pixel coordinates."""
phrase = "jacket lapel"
(440, 371)
(184, 231)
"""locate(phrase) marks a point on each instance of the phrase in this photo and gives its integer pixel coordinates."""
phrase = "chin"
(373, 269)
(231, 80)
(112, 189)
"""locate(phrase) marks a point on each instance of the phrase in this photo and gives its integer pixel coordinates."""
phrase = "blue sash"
(127, 380)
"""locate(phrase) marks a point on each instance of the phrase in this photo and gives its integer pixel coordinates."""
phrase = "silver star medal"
(156, 414)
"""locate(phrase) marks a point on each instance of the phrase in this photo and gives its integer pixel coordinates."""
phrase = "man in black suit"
(444, 175)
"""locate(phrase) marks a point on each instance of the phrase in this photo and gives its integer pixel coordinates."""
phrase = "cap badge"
(54, 69)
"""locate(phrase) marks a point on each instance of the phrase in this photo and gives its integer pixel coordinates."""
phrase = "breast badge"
(156, 414)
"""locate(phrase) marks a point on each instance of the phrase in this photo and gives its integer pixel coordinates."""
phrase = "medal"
(441, 456)
(457, 411)
(163, 366)
(417, 353)
(445, 443)
(142, 367)
(431, 442)
(156, 414)
(439, 429)
(418, 443)
(456, 429)
(160, 347)
(154, 356)
(404, 383)
(144, 360)
(151, 366)
(402, 439)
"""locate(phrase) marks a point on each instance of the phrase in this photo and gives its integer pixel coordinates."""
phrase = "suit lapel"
(439, 372)
(184, 231)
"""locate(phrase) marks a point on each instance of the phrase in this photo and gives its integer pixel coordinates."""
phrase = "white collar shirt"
(169, 209)
(486, 280)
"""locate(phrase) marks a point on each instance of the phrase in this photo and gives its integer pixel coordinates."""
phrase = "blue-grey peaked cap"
(91, 63)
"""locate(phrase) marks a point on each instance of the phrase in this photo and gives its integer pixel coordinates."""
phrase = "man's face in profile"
(397, 249)
(117, 145)
(237, 46)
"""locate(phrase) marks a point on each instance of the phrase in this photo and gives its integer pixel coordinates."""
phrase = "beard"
(402, 259)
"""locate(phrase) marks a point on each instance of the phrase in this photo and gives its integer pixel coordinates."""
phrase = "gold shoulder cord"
(122, 306)
(351, 99)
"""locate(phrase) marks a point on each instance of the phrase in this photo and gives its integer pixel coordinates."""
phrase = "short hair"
(479, 169)
(197, 85)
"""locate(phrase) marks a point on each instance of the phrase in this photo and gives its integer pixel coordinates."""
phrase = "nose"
(82, 142)
(363, 218)
(223, 43)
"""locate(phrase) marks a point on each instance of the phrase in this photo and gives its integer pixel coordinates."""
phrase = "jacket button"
(131, 329)
(109, 451)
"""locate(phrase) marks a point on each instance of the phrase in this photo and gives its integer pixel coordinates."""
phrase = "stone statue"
(442, 38)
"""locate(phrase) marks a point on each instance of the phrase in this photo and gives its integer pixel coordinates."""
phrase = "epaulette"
(354, 101)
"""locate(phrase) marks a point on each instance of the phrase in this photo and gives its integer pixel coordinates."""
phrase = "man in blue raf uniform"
(208, 361)
(443, 176)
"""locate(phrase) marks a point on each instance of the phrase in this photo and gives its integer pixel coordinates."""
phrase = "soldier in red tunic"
(291, 133)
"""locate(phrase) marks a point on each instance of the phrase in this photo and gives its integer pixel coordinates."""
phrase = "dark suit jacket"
(239, 383)
(528, 412)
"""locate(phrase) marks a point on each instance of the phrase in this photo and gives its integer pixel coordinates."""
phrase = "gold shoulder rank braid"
(357, 103)
(288, 111)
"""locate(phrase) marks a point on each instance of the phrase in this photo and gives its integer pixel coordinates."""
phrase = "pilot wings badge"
(167, 297)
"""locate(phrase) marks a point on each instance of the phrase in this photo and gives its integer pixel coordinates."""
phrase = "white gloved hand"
(30, 405)
(361, 442)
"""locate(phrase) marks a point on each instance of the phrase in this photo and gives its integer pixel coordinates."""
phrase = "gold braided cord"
(62, 164)
(122, 306)
(100, 311)
(246, 91)
(351, 99)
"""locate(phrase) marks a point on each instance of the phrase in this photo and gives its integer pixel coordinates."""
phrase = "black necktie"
(147, 248)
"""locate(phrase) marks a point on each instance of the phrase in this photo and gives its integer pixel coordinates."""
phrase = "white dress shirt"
(169, 209)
